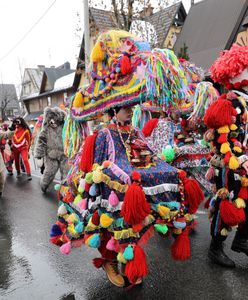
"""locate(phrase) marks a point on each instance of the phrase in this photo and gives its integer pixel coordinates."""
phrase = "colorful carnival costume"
(227, 119)
(117, 193)
(21, 145)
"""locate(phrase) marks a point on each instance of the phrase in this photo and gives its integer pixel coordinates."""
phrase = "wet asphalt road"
(32, 268)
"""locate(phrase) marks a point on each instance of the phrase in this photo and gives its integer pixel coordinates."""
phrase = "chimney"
(192, 2)
(65, 66)
(52, 67)
(42, 67)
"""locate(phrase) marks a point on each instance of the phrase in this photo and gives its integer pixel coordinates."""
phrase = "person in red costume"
(21, 144)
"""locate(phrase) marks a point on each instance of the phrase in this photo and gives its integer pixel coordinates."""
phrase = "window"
(49, 101)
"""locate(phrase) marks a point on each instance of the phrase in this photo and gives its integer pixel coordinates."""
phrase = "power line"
(27, 33)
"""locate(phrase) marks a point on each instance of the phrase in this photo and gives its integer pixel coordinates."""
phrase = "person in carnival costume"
(227, 120)
(117, 193)
(4, 135)
(20, 146)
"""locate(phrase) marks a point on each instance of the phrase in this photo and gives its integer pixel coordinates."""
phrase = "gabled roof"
(102, 19)
(34, 75)
(8, 92)
(210, 28)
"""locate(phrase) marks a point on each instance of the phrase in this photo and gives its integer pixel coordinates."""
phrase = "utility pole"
(86, 36)
(192, 2)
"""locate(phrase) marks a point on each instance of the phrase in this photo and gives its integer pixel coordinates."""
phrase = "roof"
(8, 93)
(36, 76)
(64, 82)
(208, 29)
(163, 19)
(33, 116)
(103, 19)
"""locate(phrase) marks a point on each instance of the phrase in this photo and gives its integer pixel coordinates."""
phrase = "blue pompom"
(179, 225)
(92, 190)
(80, 227)
(95, 241)
(128, 253)
(55, 231)
(57, 187)
(173, 204)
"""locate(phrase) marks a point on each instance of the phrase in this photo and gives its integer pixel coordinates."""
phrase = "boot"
(111, 269)
(240, 244)
(29, 177)
(218, 256)
(18, 174)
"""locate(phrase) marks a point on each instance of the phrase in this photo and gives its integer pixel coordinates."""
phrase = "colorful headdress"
(193, 73)
(229, 65)
(127, 72)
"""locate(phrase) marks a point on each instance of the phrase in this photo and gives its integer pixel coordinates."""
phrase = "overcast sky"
(51, 42)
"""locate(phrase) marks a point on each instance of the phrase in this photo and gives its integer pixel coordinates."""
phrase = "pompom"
(106, 163)
(57, 187)
(233, 163)
(169, 154)
(113, 199)
(95, 219)
(66, 248)
(128, 253)
(95, 241)
(111, 245)
(93, 190)
(82, 204)
(77, 199)
(243, 193)
(121, 258)
(163, 211)
(136, 176)
(180, 223)
(125, 65)
(149, 127)
(105, 221)
(55, 231)
(239, 203)
(225, 148)
(68, 197)
(79, 227)
(233, 127)
(62, 210)
(78, 101)
(97, 176)
(161, 228)
(97, 53)
(193, 194)
(210, 173)
(89, 178)
(180, 249)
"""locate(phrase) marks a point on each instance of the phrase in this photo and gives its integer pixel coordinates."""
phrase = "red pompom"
(135, 207)
(87, 187)
(149, 127)
(243, 193)
(125, 65)
(68, 197)
(180, 249)
(136, 176)
(87, 158)
(137, 267)
(56, 240)
(219, 113)
(227, 157)
(95, 219)
(193, 194)
(230, 214)
(182, 174)
(98, 262)
(222, 138)
(207, 203)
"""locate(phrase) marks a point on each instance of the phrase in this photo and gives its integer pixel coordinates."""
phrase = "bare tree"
(7, 96)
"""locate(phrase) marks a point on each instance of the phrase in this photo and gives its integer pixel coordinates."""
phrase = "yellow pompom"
(71, 229)
(164, 211)
(97, 176)
(97, 53)
(233, 163)
(233, 126)
(72, 218)
(105, 221)
(237, 149)
(177, 231)
(239, 203)
(78, 101)
(225, 148)
(244, 181)
(224, 232)
(223, 129)
(88, 240)
(121, 258)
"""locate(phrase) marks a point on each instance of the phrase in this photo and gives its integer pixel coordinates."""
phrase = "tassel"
(225, 148)
(68, 197)
(137, 227)
(66, 248)
(163, 211)
(55, 231)
(207, 203)
(105, 221)
(87, 158)
(79, 227)
(56, 240)
(111, 245)
(57, 187)
(95, 219)
(94, 241)
(210, 173)
(98, 262)
(77, 199)
(113, 199)
(121, 258)
(62, 210)
(137, 267)
(78, 101)
(125, 65)
(92, 190)
(149, 127)
(83, 204)
(193, 194)
(233, 163)
(222, 138)
(180, 249)
(135, 207)
(161, 228)
(97, 53)
(233, 127)
(230, 214)
(180, 223)
(239, 203)
(227, 157)
(243, 193)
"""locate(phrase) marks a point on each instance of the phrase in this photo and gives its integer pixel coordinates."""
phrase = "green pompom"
(169, 154)
(89, 178)
(128, 253)
(162, 228)
(80, 189)
(57, 187)
(77, 199)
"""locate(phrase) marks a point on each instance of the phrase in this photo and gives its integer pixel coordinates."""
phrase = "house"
(9, 105)
(55, 85)
(212, 26)
(167, 23)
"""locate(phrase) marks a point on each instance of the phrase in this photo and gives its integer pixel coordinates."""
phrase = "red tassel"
(149, 127)
(125, 65)
(137, 267)
(243, 193)
(135, 207)
(137, 227)
(222, 138)
(95, 219)
(56, 240)
(87, 158)
(219, 113)
(180, 249)
(230, 214)
(87, 187)
(193, 194)
(207, 203)
(98, 262)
